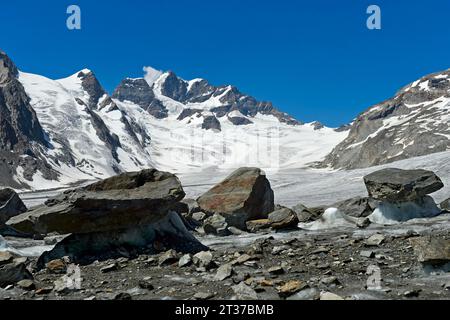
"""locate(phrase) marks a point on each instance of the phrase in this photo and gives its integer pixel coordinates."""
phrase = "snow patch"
(151, 75)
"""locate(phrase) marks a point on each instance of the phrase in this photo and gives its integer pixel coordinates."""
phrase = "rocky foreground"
(133, 236)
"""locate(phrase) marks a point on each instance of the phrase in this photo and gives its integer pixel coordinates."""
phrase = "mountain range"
(58, 132)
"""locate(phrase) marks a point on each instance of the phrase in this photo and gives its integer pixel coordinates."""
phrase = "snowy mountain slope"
(159, 121)
(194, 125)
(89, 136)
(415, 122)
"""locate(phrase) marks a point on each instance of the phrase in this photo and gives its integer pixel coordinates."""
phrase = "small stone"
(276, 270)
(5, 257)
(235, 231)
(367, 254)
(242, 259)
(216, 225)
(168, 258)
(330, 296)
(223, 272)
(258, 225)
(199, 216)
(44, 290)
(146, 284)
(375, 240)
(185, 261)
(412, 293)
(329, 280)
(91, 298)
(203, 296)
(110, 267)
(290, 288)
(26, 284)
(244, 292)
(57, 266)
(122, 296)
(306, 294)
(203, 259)
(320, 250)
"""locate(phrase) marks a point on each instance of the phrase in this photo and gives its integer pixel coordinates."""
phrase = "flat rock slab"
(119, 202)
(398, 185)
(243, 196)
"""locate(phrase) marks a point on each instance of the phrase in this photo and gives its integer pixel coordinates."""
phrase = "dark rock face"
(93, 87)
(187, 113)
(393, 130)
(401, 185)
(243, 196)
(110, 139)
(135, 90)
(139, 92)
(119, 202)
(174, 87)
(211, 123)
(239, 121)
(20, 131)
(10, 205)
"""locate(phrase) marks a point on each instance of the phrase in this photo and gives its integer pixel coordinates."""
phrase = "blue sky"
(313, 59)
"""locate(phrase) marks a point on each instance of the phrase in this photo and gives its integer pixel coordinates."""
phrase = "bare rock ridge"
(21, 135)
(413, 123)
(195, 91)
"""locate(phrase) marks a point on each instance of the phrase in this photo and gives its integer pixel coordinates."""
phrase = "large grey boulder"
(401, 185)
(167, 233)
(243, 196)
(126, 200)
(402, 194)
(10, 205)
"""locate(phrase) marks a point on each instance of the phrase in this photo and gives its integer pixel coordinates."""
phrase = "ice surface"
(392, 213)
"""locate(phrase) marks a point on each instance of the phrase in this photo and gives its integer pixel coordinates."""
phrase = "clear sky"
(313, 59)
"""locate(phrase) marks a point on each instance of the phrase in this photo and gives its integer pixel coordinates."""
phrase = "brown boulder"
(243, 196)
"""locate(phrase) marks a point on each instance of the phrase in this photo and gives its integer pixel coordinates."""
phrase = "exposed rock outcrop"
(10, 205)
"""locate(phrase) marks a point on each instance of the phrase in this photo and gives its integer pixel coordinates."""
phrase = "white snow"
(331, 218)
(64, 119)
(151, 75)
